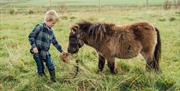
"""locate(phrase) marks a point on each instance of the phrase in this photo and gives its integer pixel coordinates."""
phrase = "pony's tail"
(157, 51)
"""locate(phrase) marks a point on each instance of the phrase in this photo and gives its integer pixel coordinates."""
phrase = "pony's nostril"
(73, 49)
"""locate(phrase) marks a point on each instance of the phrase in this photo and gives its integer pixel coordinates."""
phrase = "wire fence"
(35, 6)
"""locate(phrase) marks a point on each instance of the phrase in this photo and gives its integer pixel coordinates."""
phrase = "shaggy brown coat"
(121, 41)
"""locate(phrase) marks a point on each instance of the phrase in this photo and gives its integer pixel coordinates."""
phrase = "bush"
(13, 11)
(30, 11)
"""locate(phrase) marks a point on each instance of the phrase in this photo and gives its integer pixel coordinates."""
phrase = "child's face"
(50, 23)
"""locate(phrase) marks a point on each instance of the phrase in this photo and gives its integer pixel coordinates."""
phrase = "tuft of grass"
(172, 19)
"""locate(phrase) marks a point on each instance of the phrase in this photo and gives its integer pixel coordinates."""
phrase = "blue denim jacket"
(42, 37)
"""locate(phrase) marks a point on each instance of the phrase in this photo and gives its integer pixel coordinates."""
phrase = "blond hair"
(51, 15)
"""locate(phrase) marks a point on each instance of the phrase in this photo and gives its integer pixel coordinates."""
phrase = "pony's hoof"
(114, 72)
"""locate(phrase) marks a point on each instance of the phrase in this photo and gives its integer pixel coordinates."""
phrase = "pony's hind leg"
(149, 60)
(111, 65)
(101, 63)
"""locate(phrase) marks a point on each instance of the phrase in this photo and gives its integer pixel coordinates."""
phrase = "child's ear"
(74, 28)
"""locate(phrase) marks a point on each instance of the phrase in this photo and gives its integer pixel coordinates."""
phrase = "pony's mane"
(96, 30)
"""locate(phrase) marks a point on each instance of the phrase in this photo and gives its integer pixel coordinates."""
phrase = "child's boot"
(52, 76)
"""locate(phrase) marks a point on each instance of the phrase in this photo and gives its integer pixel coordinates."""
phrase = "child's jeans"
(40, 64)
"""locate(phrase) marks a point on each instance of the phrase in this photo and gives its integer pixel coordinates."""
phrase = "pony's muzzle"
(72, 50)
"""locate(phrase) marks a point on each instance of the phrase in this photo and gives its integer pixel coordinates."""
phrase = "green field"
(18, 69)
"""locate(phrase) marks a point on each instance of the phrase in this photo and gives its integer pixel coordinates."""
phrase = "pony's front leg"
(101, 63)
(111, 65)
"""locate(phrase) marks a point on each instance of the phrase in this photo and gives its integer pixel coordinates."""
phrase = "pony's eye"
(73, 32)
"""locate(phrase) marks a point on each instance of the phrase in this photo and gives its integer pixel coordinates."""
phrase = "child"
(40, 39)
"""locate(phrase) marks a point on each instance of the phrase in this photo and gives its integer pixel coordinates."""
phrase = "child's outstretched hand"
(64, 57)
(35, 50)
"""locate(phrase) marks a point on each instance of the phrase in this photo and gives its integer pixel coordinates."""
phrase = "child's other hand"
(35, 50)
(64, 57)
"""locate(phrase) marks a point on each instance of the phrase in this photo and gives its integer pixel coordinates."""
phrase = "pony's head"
(75, 40)
(84, 31)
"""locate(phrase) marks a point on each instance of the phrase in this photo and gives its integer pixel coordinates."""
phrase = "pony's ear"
(74, 28)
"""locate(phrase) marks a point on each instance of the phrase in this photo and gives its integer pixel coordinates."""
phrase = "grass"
(18, 69)
(81, 2)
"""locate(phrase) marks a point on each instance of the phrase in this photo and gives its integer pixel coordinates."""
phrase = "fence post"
(99, 9)
(147, 3)
(50, 1)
